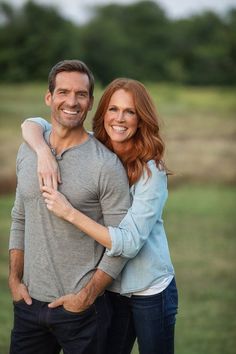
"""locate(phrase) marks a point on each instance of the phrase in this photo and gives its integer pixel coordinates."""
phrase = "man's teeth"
(69, 112)
(118, 128)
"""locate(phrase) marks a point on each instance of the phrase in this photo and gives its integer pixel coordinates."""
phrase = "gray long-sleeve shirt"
(59, 258)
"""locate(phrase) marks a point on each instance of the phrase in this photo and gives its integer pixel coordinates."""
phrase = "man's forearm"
(16, 266)
(96, 286)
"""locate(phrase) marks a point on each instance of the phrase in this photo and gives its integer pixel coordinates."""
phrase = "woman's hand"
(48, 169)
(57, 203)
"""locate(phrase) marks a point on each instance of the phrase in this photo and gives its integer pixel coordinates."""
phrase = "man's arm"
(115, 201)
(16, 266)
(86, 296)
(16, 248)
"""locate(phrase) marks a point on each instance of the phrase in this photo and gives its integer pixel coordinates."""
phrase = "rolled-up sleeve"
(40, 121)
(148, 202)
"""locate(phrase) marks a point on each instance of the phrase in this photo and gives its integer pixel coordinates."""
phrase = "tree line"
(137, 40)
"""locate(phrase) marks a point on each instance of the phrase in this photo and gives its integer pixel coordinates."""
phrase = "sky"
(79, 10)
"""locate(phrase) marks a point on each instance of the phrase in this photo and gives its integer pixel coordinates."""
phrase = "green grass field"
(199, 126)
(201, 224)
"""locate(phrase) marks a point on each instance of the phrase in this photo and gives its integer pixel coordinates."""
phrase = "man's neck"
(61, 139)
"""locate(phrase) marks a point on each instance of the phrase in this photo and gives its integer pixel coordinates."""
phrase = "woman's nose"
(120, 116)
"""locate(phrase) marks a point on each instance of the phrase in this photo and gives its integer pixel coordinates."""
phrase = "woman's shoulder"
(156, 176)
(156, 170)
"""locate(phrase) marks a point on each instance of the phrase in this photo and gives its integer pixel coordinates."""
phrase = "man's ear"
(91, 103)
(48, 98)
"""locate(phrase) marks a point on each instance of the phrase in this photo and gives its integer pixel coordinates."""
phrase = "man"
(56, 272)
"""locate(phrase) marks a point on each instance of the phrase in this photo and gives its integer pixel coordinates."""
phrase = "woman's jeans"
(41, 330)
(149, 318)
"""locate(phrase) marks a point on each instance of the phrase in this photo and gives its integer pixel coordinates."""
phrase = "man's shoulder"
(102, 150)
(23, 150)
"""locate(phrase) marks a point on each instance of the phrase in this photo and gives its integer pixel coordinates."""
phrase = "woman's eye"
(130, 112)
(112, 109)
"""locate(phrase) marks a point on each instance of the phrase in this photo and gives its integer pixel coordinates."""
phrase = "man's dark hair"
(70, 66)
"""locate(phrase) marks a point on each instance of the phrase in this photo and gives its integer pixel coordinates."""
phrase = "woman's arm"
(61, 207)
(148, 203)
(48, 170)
(129, 237)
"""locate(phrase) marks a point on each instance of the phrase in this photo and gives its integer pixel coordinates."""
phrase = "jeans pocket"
(18, 302)
(89, 310)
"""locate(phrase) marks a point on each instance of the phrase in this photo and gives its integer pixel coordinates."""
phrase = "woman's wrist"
(71, 215)
(42, 149)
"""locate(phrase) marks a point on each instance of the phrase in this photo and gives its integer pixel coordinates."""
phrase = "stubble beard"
(70, 123)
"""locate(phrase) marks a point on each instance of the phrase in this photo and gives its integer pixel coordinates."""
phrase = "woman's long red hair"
(147, 143)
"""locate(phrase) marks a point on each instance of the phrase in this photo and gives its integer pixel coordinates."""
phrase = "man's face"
(70, 101)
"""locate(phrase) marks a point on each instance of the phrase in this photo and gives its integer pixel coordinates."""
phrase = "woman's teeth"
(118, 128)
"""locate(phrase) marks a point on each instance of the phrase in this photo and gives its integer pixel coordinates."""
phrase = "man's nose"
(72, 100)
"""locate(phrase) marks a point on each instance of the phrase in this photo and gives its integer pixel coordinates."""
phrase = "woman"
(126, 122)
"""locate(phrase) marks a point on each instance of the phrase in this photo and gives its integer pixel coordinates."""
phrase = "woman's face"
(120, 120)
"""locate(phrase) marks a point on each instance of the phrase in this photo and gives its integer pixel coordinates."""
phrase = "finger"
(47, 189)
(46, 195)
(57, 302)
(54, 182)
(26, 297)
(59, 177)
(48, 182)
(40, 183)
(47, 201)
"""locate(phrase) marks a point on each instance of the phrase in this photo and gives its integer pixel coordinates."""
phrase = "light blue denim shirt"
(141, 235)
(41, 121)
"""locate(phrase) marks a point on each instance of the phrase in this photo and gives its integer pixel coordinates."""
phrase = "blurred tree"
(33, 39)
(132, 41)
(230, 43)
(200, 44)
(136, 40)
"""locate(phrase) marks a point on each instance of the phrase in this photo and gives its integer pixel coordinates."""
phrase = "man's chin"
(71, 123)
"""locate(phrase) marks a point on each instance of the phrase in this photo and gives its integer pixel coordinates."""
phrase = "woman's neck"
(121, 148)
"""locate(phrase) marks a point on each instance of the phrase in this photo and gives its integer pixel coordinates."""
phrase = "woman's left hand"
(57, 202)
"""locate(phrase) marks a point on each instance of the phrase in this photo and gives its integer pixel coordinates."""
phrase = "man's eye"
(83, 94)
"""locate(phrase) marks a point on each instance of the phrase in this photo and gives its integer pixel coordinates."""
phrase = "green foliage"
(136, 40)
(32, 40)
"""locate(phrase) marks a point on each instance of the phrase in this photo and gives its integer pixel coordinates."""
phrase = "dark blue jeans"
(149, 318)
(41, 330)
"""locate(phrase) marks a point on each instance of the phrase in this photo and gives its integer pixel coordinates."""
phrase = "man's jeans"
(149, 318)
(41, 330)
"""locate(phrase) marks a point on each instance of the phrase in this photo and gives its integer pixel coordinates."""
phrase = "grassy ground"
(199, 126)
(200, 221)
